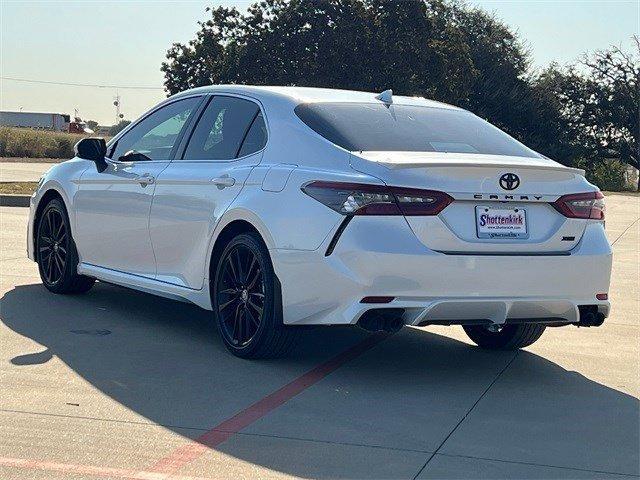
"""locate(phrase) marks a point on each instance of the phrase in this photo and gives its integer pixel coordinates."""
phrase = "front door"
(195, 190)
(112, 207)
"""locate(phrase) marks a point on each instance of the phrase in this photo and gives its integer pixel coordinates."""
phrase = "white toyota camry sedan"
(280, 207)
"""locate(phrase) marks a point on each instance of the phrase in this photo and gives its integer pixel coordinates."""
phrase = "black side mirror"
(94, 149)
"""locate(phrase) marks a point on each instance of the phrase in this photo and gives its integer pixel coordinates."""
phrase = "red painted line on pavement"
(223, 431)
(89, 470)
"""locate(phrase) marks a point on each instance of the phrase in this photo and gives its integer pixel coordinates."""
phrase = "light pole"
(116, 103)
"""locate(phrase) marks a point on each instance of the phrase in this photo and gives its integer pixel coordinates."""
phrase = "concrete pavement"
(22, 172)
(119, 384)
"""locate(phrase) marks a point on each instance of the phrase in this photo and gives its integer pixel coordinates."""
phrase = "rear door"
(197, 187)
(112, 207)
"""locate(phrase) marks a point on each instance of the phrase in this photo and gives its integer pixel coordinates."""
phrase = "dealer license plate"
(501, 222)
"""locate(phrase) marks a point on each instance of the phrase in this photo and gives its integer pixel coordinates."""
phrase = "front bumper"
(380, 256)
(31, 254)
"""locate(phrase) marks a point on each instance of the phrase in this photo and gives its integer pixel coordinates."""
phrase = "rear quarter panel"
(294, 156)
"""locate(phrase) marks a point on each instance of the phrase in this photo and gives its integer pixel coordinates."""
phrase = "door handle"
(146, 179)
(223, 182)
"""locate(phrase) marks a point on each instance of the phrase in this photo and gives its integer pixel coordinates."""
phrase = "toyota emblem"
(509, 181)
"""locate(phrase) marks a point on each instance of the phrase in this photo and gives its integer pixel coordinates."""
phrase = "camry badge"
(509, 181)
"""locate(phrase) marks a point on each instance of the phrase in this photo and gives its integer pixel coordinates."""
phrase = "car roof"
(298, 95)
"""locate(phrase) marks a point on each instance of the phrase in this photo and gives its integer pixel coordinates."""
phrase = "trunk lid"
(474, 182)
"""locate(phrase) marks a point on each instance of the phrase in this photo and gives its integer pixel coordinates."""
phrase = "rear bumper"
(380, 256)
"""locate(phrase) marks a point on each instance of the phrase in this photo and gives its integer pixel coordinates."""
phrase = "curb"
(8, 200)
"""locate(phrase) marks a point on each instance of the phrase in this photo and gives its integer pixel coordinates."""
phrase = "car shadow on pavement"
(163, 360)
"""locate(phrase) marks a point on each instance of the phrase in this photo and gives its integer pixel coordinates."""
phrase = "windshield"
(378, 127)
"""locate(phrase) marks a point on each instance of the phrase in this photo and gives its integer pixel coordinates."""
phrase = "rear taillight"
(365, 199)
(413, 201)
(581, 205)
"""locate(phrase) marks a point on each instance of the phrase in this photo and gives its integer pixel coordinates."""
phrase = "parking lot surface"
(22, 172)
(120, 384)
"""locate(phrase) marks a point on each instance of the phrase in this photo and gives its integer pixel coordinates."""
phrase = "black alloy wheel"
(56, 252)
(240, 296)
(53, 246)
(246, 299)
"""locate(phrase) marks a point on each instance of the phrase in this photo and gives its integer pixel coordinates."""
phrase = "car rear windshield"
(378, 127)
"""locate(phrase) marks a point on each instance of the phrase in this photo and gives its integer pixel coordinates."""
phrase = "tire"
(56, 252)
(510, 337)
(247, 301)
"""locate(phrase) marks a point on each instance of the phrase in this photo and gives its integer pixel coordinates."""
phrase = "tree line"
(583, 115)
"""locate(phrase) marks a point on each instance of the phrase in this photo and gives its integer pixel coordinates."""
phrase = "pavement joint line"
(625, 231)
(534, 464)
(90, 470)
(192, 450)
(101, 419)
(30, 464)
(330, 442)
(204, 429)
(493, 382)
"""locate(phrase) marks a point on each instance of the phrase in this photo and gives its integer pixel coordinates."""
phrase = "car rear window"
(380, 127)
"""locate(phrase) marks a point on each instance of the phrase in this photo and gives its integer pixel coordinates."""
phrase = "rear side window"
(407, 128)
(221, 129)
(256, 137)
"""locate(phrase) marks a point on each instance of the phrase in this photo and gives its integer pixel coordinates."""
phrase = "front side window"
(222, 128)
(154, 137)
(407, 128)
